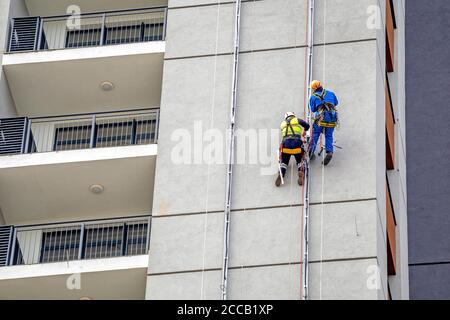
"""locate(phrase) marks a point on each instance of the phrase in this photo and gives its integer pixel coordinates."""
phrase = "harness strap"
(325, 107)
(293, 135)
(327, 124)
(329, 106)
(290, 126)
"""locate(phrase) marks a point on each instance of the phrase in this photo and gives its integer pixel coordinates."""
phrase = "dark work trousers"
(292, 144)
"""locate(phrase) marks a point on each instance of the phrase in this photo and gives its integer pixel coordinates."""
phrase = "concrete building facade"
(358, 240)
(348, 215)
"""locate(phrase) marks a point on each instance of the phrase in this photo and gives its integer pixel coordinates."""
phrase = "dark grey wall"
(428, 146)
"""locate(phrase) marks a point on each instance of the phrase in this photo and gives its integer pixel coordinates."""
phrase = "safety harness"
(327, 111)
(289, 126)
(294, 136)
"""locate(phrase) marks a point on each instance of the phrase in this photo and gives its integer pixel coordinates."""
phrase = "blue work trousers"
(329, 136)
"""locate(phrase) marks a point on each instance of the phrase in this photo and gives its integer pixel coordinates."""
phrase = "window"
(90, 36)
(390, 130)
(136, 238)
(81, 241)
(121, 239)
(86, 37)
(60, 245)
(390, 39)
(108, 133)
(73, 137)
(103, 241)
(390, 232)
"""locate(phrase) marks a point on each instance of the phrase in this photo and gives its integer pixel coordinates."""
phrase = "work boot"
(278, 181)
(301, 176)
(328, 158)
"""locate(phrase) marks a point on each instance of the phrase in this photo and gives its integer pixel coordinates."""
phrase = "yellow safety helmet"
(315, 84)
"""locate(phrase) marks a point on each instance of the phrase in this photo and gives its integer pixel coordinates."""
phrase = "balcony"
(87, 30)
(88, 240)
(113, 250)
(70, 58)
(77, 167)
(49, 134)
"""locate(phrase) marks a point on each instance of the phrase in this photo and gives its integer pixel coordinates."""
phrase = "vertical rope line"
(213, 103)
(293, 171)
(231, 153)
(305, 115)
(252, 118)
(250, 115)
(323, 153)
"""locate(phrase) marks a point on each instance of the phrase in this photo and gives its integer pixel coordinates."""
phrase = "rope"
(305, 93)
(213, 102)
(231, 154)
(293, 180)
(251, 116)
(323, 155)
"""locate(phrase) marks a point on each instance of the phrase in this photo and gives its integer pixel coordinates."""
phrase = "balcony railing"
(74, 241)
(36, 135)
(87, 30)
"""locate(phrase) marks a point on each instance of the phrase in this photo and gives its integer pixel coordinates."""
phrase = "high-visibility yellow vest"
(291, 128)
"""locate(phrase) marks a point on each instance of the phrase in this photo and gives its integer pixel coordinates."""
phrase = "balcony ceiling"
(115, 279)
(59, 7)
(54, 187)
(68, 81)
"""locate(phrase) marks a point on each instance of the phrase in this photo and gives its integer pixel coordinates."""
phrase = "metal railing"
(12, 135)
(61, 133)
(92, 131)
(77, 241)
(87, 30)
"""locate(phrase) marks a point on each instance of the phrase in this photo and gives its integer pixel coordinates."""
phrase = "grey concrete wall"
(380, 148)
(346, 232)
(427, 74)
(8, 9)
(18, 9)
(6, 105)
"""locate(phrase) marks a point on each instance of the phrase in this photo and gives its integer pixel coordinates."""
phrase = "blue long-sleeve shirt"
(315, 102)
(304, 124)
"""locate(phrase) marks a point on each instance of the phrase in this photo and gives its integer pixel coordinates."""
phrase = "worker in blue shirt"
(323, 104)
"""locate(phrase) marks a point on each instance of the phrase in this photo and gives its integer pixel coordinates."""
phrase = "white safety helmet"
(289, 114)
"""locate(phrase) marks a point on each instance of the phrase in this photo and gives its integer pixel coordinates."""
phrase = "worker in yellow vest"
(292, 131)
